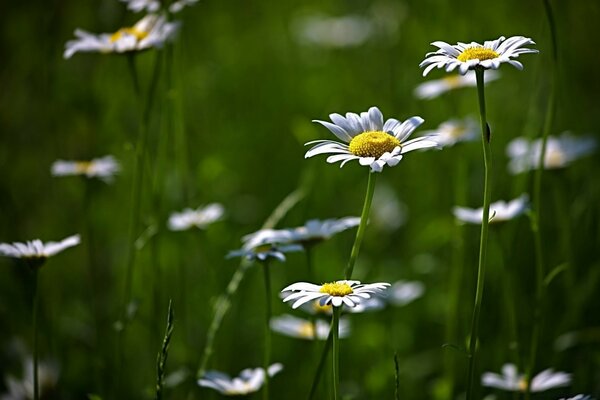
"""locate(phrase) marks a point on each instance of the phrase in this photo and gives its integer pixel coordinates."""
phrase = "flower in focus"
(299, 328)
(150, 6)
(433, 88)
(23, 389)
(499, 211)
(454, 131)
(403, 292)
(150, 31)
(510, 380)
(199, 218)
(560, 152)
(265, 244)
(104, 168)
(35, 252)
(349, 293)
(249, 381)
(315, 230)
(466, 56)
(369, 140)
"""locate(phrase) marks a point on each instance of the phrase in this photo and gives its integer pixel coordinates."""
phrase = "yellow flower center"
(336, 289)
(306, 330)
(319, 309)
(457, 131)
(477, 53)
(453, 81)
(82, 167)
(522, 385)
(372, 144)
(554, 159)
(138, 34)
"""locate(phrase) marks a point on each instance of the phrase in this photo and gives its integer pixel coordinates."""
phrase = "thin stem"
(268, 312)
(36, 389)
(310, 278)
(396, 377)
(487, 161)
(161, 360)
(335, 324)
(363, 224)
(320, 367)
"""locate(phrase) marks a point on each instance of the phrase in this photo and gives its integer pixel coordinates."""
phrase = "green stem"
(36, 389)
(364, 217)
(320, 367)
(310, 278)
(487, 161)
(268, 312)
(161, 360)
(335, 324)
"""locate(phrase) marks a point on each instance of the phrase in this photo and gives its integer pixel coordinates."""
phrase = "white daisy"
(560, 151)
(104, 168)
(315, 230)
(466, 56)
(35, 252)
(199, 218)
(369, 140)
(349, 293)
(299, 328)
(22, 389)
(511, 380)
(454, 131)
(499, 211)
(375, 303)
(403, 292)
(264, 244)
(180, 5)
(579, 397)
(249, 381)
(433, 88)
(333, 32)
(150, 31)
(150, 6)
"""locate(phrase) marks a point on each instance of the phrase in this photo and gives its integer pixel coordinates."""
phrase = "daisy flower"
(265, 244)
(403, 292)
(180, 5)
(299, 328)
(150, 6)
(512, 381)
(454, 131)
(249, 381)
(499, 211)
(468, 56)
(199, 218)
(22, 389)
(349, 293)
(369, 140)
(333, 32)
(35, 252)
(150, 31)
(579, 397)
(436, 87)
(315, 230)
(560, 152)
(104, 168)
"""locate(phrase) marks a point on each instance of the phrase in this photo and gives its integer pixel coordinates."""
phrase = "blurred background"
(232, 110)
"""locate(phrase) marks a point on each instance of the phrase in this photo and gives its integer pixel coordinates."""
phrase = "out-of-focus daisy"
(199, 218)
(333, 32)
(433, 88)
(315, 231)
(455, 130)
(150, 6)
(179, 5)
(349, 293)
(104, 168)
(299, 328)
(578, 397)
(388, 212)
(151, 31)
(264, 244)
(511, 380)
(249, 381)
(403, 292)
(369, 140)
(466, 56)
(560, 152)
(36, 252)
(499, 211)
(22, 389)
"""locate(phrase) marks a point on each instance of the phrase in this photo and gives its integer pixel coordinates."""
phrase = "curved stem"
(362, 226)
(335, 324)
(487, 161)
(36, 389)
(267, 349)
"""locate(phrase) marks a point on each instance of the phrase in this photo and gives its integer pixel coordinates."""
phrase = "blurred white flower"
(299, 328)
(150, 31)
(404, 292)
(150, 6)
(333, 32)
(433, 88)
(499, 211)
(349, 293)
(578, 397)
(180, 5)
(104, 168)
(511, 380)
(23, 389)
(35, 252)
(455, 130)
(369, 140)
(264, 244)
(315, 230)
(468, 56)
(560, 151)
(249, 381)
(199, 218)
(388, 212)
